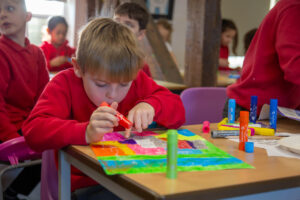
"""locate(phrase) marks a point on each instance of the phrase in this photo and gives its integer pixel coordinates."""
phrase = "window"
(41, 10)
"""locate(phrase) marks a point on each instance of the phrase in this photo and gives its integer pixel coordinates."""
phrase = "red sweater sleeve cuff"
(77, 135)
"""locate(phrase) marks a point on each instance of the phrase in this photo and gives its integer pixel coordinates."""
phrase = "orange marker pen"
(244, 120)
(123, 121)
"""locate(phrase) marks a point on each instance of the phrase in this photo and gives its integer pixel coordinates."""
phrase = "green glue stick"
(172, 154)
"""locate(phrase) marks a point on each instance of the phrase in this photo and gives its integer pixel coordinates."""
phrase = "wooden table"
(174, 87)
(223, 80)
(270, 173)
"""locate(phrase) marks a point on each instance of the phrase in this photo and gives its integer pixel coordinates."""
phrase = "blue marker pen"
(231, 110)
(273, 113)
(253, 109)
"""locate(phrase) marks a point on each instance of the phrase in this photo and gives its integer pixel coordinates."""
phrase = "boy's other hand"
(223, 62)
(59, 60)
(141, 116)
(102, 121)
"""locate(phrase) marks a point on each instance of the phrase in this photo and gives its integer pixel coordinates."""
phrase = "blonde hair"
(109, 48)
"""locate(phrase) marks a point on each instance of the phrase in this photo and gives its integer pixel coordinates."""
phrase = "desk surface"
(270, 173)
(223, 79)
(171, 85)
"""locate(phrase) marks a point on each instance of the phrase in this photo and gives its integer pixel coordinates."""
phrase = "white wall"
(247, 14)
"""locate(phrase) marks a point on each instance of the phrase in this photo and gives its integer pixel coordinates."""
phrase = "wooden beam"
(160, 52)
(202, 42)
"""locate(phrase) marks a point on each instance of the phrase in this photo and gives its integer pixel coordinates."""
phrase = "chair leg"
(11, 167)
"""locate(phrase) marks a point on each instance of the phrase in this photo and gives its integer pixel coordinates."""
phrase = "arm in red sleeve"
(288, 43)
(50, 125)
(169, 110)
(7, 129)
(43, 78)
(47, 56)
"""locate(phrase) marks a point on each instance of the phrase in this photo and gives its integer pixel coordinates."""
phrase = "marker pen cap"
(244, 117)
(249, 147)
(205, 127)
(231, 110)
(253, 99)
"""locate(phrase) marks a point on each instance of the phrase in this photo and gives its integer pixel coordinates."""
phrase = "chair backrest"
(15, 150)
(15, 153)
(203, 104)
(49, 179)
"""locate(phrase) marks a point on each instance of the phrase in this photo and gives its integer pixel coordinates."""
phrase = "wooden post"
(202, 42)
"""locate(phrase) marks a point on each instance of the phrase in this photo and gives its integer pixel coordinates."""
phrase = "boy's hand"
(102, 121)
(59, 60)
(141, 116)
(223, 62)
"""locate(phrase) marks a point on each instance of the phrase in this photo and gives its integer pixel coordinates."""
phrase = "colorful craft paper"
(146, 153)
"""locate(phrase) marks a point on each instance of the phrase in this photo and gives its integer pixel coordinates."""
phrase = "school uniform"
(62, 114)
(22, 79)
(272, 63)
(52, 52)
(224, 54)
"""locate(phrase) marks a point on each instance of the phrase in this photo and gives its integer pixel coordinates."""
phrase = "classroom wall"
(246, 13)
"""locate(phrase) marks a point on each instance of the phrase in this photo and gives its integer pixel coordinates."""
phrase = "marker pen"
(225, 133)
(273, 113)
(172, 154)
(253, 109)
(231, 110)
(123, 121)
(244, 120)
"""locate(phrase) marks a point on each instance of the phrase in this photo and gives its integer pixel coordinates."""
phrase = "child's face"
(227, 36)
(163, 32)
(99, 89)
(132, 24)
(58, 34)
(13, 18)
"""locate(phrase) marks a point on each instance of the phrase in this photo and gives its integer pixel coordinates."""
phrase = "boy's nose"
(112, 92)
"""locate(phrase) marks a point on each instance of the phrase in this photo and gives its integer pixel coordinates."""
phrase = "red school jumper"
(272, 63)
(52, 52)
(224, 53)
(63, 111)
(22, 79)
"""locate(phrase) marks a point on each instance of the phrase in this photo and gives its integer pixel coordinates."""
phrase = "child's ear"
(28, 16)
(141, 34)
(48, 31)
(76, 67)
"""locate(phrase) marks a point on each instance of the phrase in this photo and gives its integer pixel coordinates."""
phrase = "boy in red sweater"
(135, 17)
(57, 52)
(272, 63)
(22, 79)
(107, 68)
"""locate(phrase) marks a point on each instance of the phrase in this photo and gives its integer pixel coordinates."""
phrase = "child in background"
(22, 79)
(229, 34)
(68, 111)
(248, 38)
(135, 17)
(271, 66)
(165, 29)
(57, 52)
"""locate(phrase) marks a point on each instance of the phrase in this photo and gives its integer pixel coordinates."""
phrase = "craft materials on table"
(146, 152)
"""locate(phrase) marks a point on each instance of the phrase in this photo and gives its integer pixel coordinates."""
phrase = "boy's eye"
(124, 84)
(10, 8)
(101, 84)
(129, 25)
